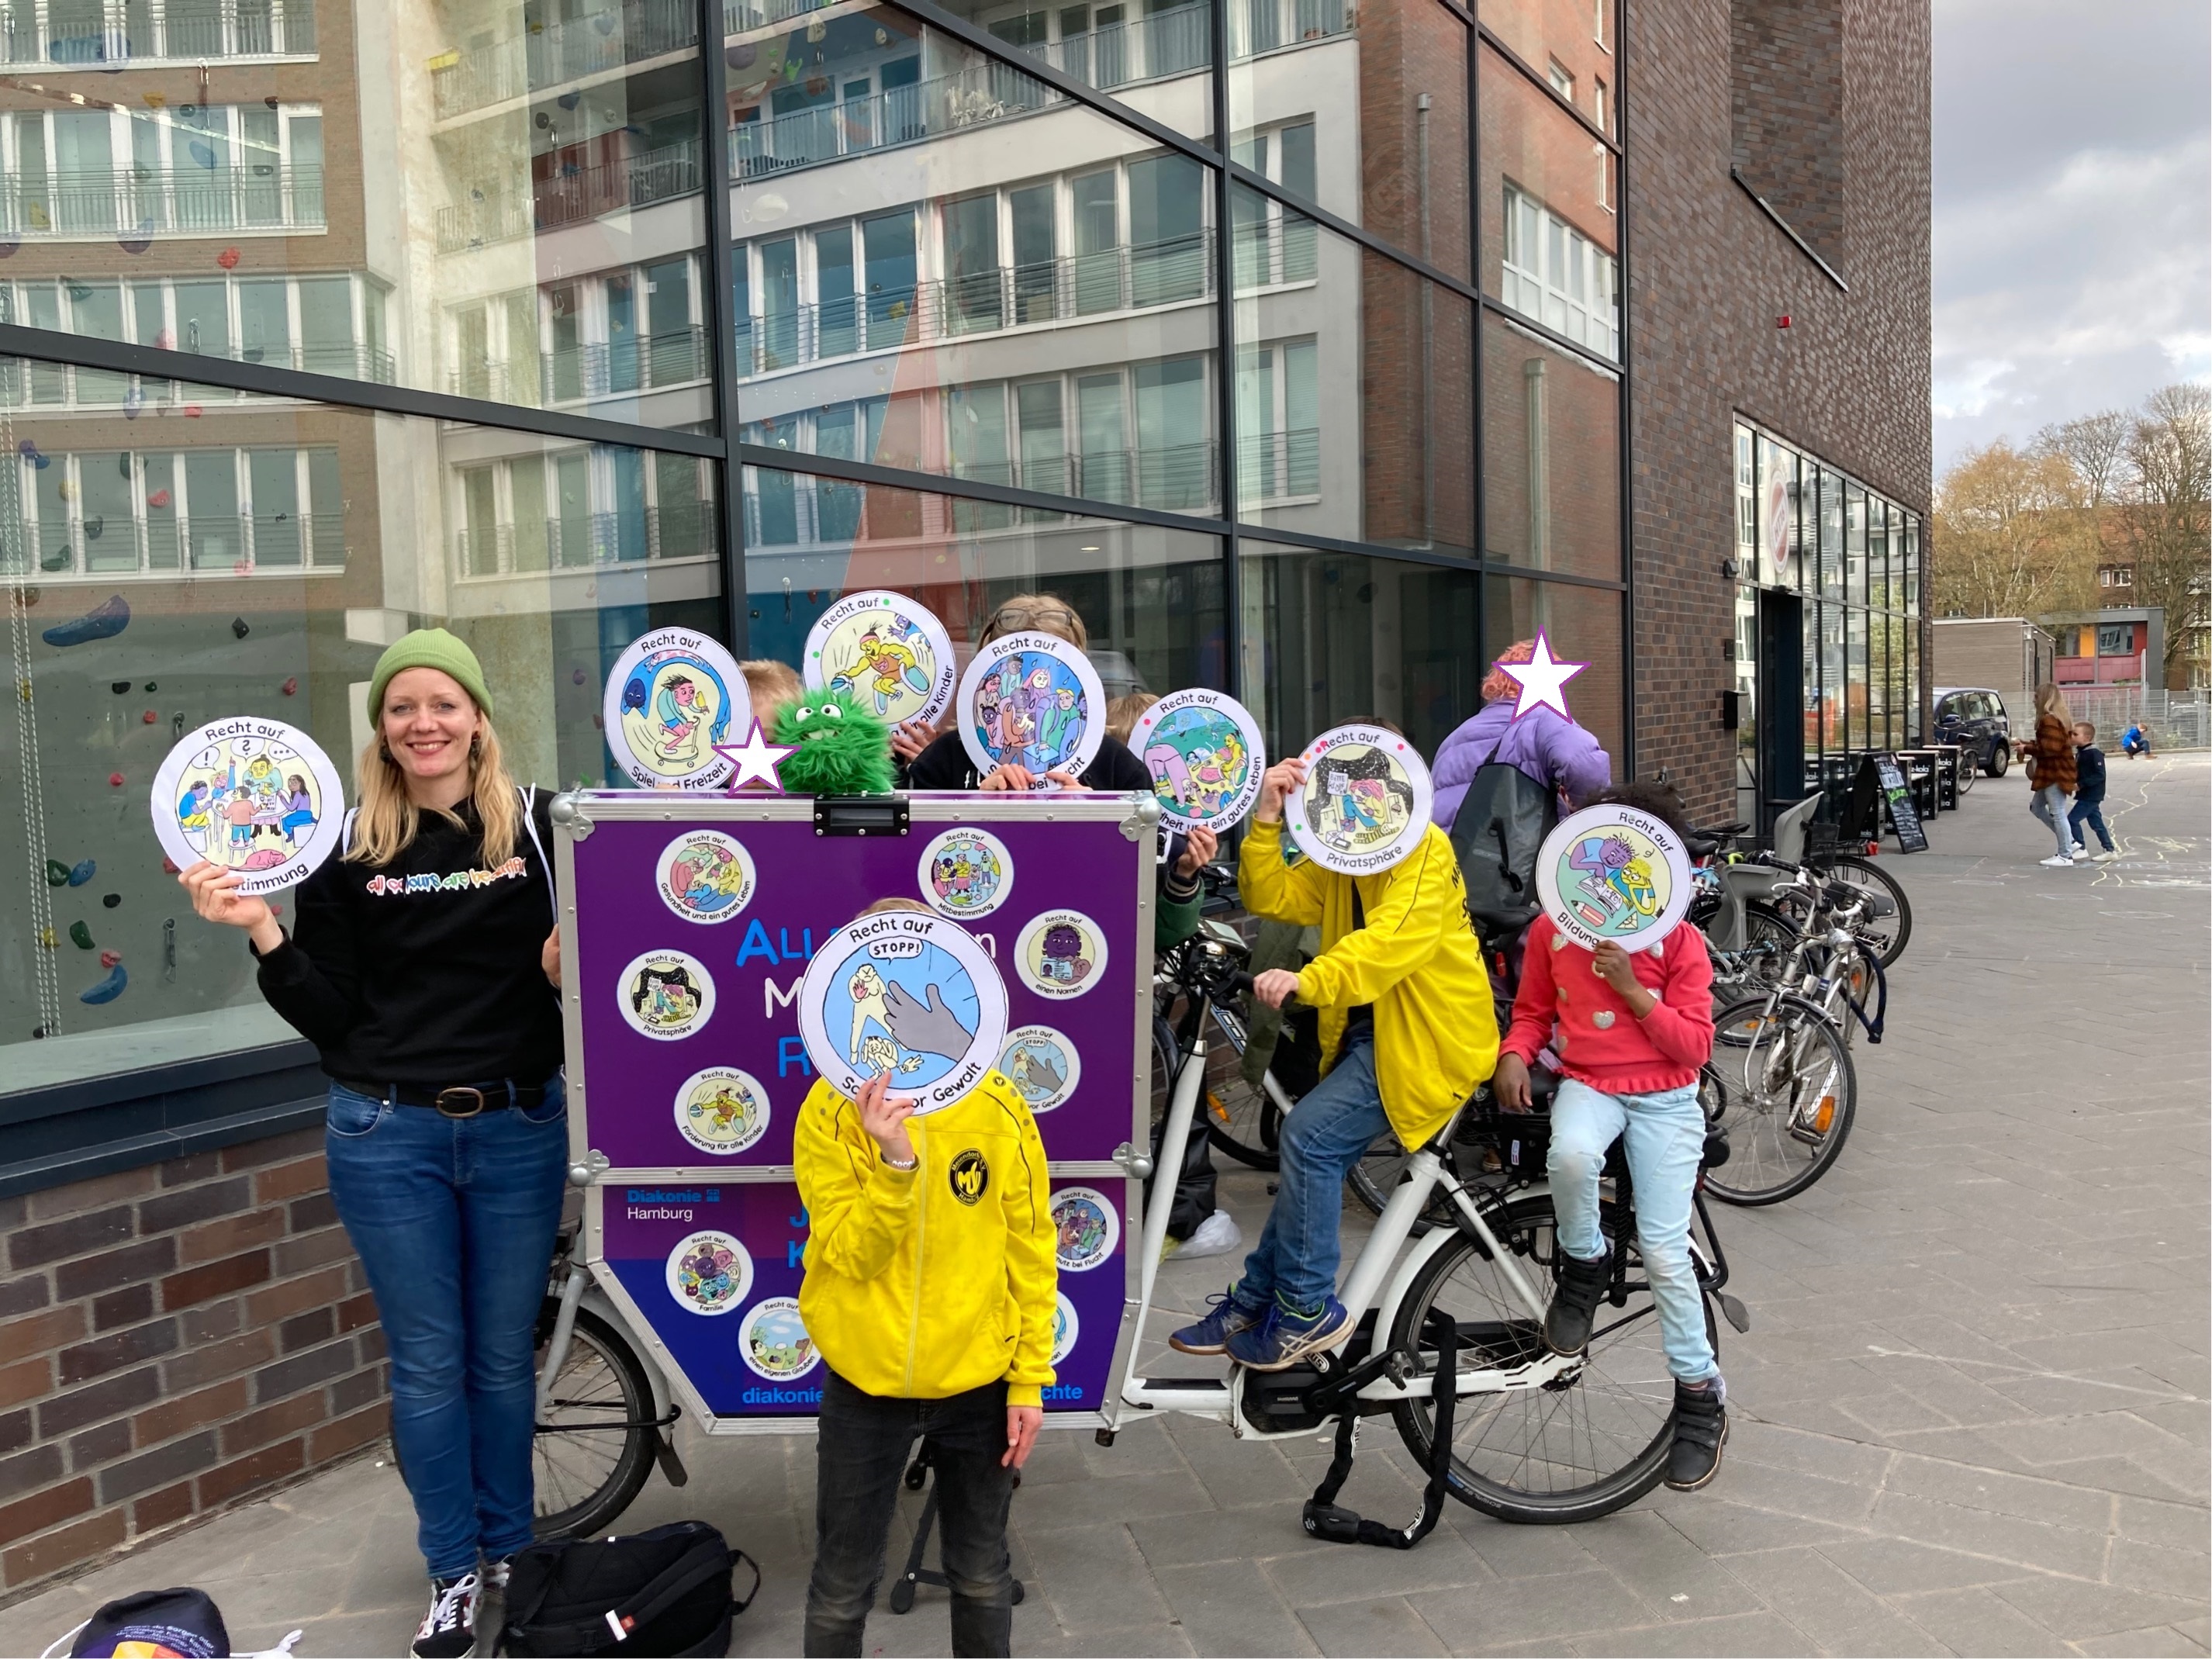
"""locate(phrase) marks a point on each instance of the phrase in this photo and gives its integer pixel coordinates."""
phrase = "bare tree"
(2166, 524)
(2094, 448)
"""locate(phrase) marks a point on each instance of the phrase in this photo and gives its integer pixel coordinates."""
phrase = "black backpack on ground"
(655, 1595)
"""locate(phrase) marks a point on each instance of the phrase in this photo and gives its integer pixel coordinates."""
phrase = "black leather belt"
(458, 1100)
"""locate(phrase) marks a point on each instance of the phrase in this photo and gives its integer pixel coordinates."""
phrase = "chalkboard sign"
(1903, 814)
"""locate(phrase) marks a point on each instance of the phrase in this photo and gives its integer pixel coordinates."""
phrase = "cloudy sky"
(2073, 210)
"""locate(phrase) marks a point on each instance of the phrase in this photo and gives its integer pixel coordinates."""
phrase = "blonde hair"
(885, 906)
(1040, 604)
(2050, 700)
(385, 823)
(1123, 713)
(767, 677)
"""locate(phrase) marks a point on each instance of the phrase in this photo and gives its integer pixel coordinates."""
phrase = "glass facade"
(1283, 337)
(1828, 617)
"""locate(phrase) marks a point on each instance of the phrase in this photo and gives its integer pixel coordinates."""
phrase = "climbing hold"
(103, 621)
(159, 498)
(66, 490)
(115, 779)
(155, 99)
(59, 559)
(168, 868)
(95, 528)
(110, 900)
(10, 241)
(238, 628)
(204, 153)
(79, 291)
(271, 101)
(600, 722)
(37, 1031)
(192, 411)
(108, 990)
(134, 243)
(28, 449)
(292, 687)
(47, 939)
(577, 676)
(111, 958)
(56, 874)
(276, 909)
(118, 687)
(80, 936)
(150, 686)
(149, 718)
(82, 872)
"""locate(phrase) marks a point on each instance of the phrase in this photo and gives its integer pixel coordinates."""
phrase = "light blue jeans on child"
(1664, 1136)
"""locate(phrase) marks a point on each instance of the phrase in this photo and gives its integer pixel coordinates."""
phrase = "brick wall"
(1788, 108)
(173, 1339)
(1848, 381)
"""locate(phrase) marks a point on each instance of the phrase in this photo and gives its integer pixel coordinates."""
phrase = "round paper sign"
(709, 1273)
(773, 1341)
(1043, 1064)
(1364, 804)
(1032, 699)
(672, 697)
(907, 996)
(890, 652)
(1613, 873)
(1206, 755)
(252, 795)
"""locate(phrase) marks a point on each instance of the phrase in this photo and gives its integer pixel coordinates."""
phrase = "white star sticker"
(756, 760)
(1542, 679)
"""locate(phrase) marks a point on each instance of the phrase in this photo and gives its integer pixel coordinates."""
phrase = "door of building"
(1781, 704)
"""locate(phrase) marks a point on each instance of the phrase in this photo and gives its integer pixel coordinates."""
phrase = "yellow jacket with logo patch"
(931, 1283)
(1416, 960)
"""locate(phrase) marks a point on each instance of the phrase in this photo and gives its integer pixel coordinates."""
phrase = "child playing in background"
(2090, 794)
(1631, 1031)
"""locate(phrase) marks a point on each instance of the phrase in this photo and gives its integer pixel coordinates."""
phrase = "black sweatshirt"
(945, 765)
(437, 979)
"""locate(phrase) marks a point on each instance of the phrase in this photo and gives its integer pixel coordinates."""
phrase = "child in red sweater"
(1630, 1031)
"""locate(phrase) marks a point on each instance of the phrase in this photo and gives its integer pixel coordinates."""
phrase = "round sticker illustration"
(1206, 755)
(1086, 1226)
(721, 1110)
(1066, 1328)
(906, 995)
(773, 1341)
(252, 795)
(1031, 700)
(890, 652)
(709, 1273)
(666, 995)
(1612, 872)
(966, 873)
(705, 876)
(1365, 801)
(1061, 954)
(1043, 1064)
(669, 701)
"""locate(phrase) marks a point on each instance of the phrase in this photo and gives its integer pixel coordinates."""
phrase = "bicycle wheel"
(1790, 1094)
(1578, 1448)
(594, 1444)
(1888, 934)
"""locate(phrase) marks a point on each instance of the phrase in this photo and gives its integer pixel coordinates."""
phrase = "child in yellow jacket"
(1407, 1022)
(929, 1292)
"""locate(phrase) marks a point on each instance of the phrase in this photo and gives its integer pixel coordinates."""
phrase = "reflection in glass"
(1551, 455)
(1548, 231)
(1583, 625)
(1151, 599)
(1153, 55)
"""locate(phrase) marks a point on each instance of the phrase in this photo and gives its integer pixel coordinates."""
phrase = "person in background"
(2050, 758)
(2135, 741)
(1544, 743)
(952, 1342)
(770, 684)
(1123, 714)
(1631, 1029)
(2089, 794)
(438, 1020)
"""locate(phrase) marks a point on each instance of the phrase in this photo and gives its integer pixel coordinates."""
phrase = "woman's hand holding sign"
(215, 895)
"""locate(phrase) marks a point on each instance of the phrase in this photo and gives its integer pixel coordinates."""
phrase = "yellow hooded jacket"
(1416, 959)
(930, 1283)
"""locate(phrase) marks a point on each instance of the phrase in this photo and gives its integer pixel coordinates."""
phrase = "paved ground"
(1971, 1409)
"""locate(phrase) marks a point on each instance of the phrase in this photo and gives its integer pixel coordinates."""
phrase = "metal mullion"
(1225, 355)
(714, 174)
(52, 346)
(1319, 544)
(1627, 417)
(1521, 319)
(1544, 86)
(1481, 401)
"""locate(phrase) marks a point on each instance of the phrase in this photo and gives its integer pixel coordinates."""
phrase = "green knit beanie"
(429, 647)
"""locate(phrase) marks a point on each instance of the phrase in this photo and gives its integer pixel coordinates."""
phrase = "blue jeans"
(453, 1219)
(1325, 1134)
(2091, 812)
(1665, 1138)
(2049, 803)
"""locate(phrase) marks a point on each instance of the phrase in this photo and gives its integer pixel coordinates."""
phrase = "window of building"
(1558, 275)
(100, 173)
(1562, 82)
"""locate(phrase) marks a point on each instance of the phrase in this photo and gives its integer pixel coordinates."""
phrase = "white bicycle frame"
(1221, 1399)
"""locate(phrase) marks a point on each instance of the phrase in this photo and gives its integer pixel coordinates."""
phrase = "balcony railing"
(31, 385)
(137, 31)
(606, 369)
(557, 53)
(1008, 296)
(898, 115)
(238, 544)
(570, 198)
(1258, 26)
(150, 202)
(1276, 465)
(586, 540)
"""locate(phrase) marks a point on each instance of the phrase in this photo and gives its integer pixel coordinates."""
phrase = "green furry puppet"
(838, 747)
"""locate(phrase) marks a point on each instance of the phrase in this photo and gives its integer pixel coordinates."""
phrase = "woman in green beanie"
(419, 966)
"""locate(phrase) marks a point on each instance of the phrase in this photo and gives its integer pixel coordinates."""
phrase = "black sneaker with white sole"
(1700, 1432)
(449, 1629)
